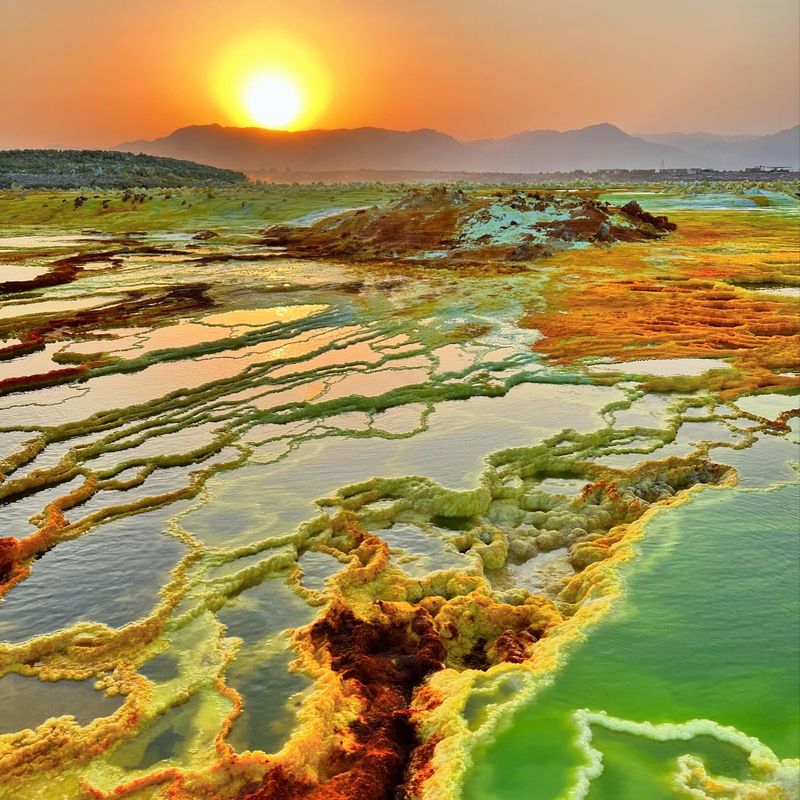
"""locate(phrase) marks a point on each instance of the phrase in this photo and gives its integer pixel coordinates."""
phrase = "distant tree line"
(72, 169)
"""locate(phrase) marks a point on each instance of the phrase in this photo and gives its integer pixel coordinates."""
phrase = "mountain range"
(602, 146)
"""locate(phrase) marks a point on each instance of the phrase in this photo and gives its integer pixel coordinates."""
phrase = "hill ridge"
(599, 146)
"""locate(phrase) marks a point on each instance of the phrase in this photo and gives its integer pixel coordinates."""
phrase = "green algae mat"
(331, 493)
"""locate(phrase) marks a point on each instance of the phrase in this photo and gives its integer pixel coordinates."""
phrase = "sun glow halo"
(273, 82)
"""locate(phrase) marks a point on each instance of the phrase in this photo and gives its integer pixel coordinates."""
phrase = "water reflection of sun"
(270, 82)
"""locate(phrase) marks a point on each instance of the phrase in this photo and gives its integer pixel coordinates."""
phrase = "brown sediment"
(43, 379)
(380, 663)
(417, 222)
(57, 275)
(8, 557)
(62, 271)
(420, 767)
(19, 552)
(437, 221)
(675, 319)
(221, 256)
(682, 298)
(140, 308)
(31, 342)
(659, 222)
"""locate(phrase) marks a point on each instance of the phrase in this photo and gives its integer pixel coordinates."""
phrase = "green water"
(707, 629)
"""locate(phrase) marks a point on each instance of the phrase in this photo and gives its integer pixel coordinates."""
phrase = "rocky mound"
(449, 225)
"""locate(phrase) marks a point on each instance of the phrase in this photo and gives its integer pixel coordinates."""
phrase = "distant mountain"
(73, 169)
(693, 142)
(781, 149)
(601, 146)
(596, 147)
(347, 148)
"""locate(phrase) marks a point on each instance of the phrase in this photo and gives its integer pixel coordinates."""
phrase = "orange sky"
(98, 72)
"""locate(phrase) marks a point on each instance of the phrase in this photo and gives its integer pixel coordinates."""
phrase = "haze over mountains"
(601, 146)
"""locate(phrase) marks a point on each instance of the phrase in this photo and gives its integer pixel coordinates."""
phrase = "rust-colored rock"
(8, 556)
(383, 663)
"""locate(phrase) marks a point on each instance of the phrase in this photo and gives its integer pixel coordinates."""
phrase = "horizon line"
(111, 146)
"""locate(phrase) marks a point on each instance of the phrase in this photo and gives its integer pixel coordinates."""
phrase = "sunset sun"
(269, 81)
(273, 101)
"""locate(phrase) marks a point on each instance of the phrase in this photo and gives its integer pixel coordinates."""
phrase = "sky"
(94, 73)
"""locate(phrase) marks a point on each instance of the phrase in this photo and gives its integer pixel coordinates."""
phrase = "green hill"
(71, 169)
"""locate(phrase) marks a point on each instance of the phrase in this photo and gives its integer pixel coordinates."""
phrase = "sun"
(271, 81)
(273, 101)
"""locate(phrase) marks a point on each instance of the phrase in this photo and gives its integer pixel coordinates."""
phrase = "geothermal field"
(371, 491)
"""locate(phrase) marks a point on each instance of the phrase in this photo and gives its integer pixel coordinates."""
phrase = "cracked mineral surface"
(381, 493)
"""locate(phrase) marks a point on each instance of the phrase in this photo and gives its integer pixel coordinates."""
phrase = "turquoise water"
(707, 629)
